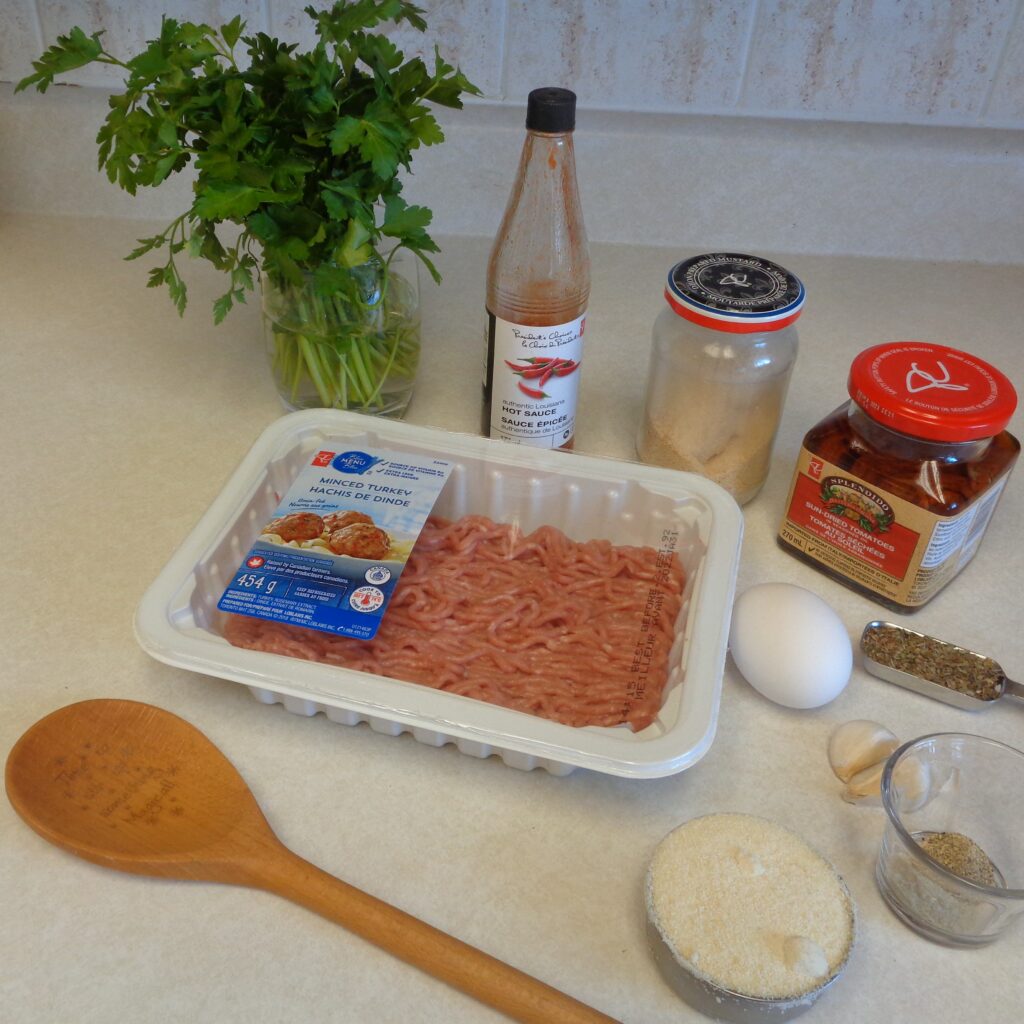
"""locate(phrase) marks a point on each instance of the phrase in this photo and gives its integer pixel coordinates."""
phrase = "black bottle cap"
(551, 110)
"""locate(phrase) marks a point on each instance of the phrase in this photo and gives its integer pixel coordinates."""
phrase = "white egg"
(790, 645)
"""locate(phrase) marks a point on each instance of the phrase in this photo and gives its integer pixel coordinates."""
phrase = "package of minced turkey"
(338, 541)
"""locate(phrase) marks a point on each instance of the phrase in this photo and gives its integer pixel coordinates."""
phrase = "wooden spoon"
(132, 787)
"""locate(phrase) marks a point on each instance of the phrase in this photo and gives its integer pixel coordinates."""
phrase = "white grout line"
(1016, 22)
(41, 42)
(503, 51)
(876, 118)
(748, 47)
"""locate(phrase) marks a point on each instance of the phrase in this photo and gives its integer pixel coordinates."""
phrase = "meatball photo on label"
(296, 526)
(360, 540)
(339, 520)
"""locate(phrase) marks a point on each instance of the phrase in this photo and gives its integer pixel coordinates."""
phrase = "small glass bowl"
(974, 789)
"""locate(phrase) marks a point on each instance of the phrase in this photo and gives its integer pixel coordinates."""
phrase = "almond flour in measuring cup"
(743, 909)
(894, 490)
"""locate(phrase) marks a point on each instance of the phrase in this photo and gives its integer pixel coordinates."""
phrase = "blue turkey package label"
(335, 548)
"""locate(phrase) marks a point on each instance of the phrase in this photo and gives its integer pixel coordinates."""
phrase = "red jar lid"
(931, 391)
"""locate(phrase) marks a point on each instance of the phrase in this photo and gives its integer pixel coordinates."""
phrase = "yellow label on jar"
(883, 543)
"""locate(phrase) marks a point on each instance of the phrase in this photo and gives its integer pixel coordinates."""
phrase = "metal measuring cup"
(917, 661)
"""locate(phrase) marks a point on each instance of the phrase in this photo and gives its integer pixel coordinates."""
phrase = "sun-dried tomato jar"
(894, 490)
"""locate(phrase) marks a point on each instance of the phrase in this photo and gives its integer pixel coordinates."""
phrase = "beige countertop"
(118, 425)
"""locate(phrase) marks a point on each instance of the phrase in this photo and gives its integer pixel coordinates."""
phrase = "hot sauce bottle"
(538, 284)
(894, 490)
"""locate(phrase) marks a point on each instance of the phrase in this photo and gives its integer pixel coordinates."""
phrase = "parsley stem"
(297, 376)
(227, 54)
(308, 350)
(383, 376)
(342, 385)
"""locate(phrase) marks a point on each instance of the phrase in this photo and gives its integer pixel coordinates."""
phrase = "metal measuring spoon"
(935, 668)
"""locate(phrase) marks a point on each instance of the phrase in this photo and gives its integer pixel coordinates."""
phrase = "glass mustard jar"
(894, 490)
(722, 355)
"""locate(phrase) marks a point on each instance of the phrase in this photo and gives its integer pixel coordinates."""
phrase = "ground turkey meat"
(339, 520)
(297, 526)
(360, 540)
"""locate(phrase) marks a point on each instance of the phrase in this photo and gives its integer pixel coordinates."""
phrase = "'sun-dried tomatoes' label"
(535, 373)
(875, 539)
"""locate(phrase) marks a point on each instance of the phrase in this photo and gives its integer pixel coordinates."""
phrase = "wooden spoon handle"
(484, 977)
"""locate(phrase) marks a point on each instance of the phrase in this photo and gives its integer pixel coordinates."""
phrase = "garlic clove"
(865, 787)
(911, 779)
(914, 784)
(859, 745)
(748, 862)
(805, 956)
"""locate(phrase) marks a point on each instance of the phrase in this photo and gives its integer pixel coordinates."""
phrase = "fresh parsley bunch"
(301, 150)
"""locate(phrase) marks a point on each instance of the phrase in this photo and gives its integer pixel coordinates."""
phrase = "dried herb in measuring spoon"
(934, 668)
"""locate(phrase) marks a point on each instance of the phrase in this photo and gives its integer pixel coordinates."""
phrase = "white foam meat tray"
(178, 622)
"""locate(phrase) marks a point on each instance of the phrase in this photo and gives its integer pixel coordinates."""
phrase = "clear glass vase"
(346, 338)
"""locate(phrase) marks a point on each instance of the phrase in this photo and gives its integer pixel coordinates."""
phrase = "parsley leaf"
(74, 50)
(300, 150)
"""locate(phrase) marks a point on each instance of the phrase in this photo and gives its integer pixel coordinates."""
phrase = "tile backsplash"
(927, 62)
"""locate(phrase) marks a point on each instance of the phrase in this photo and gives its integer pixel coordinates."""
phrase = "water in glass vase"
(346, 338)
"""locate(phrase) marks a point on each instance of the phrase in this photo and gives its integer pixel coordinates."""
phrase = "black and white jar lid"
(735, 292)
